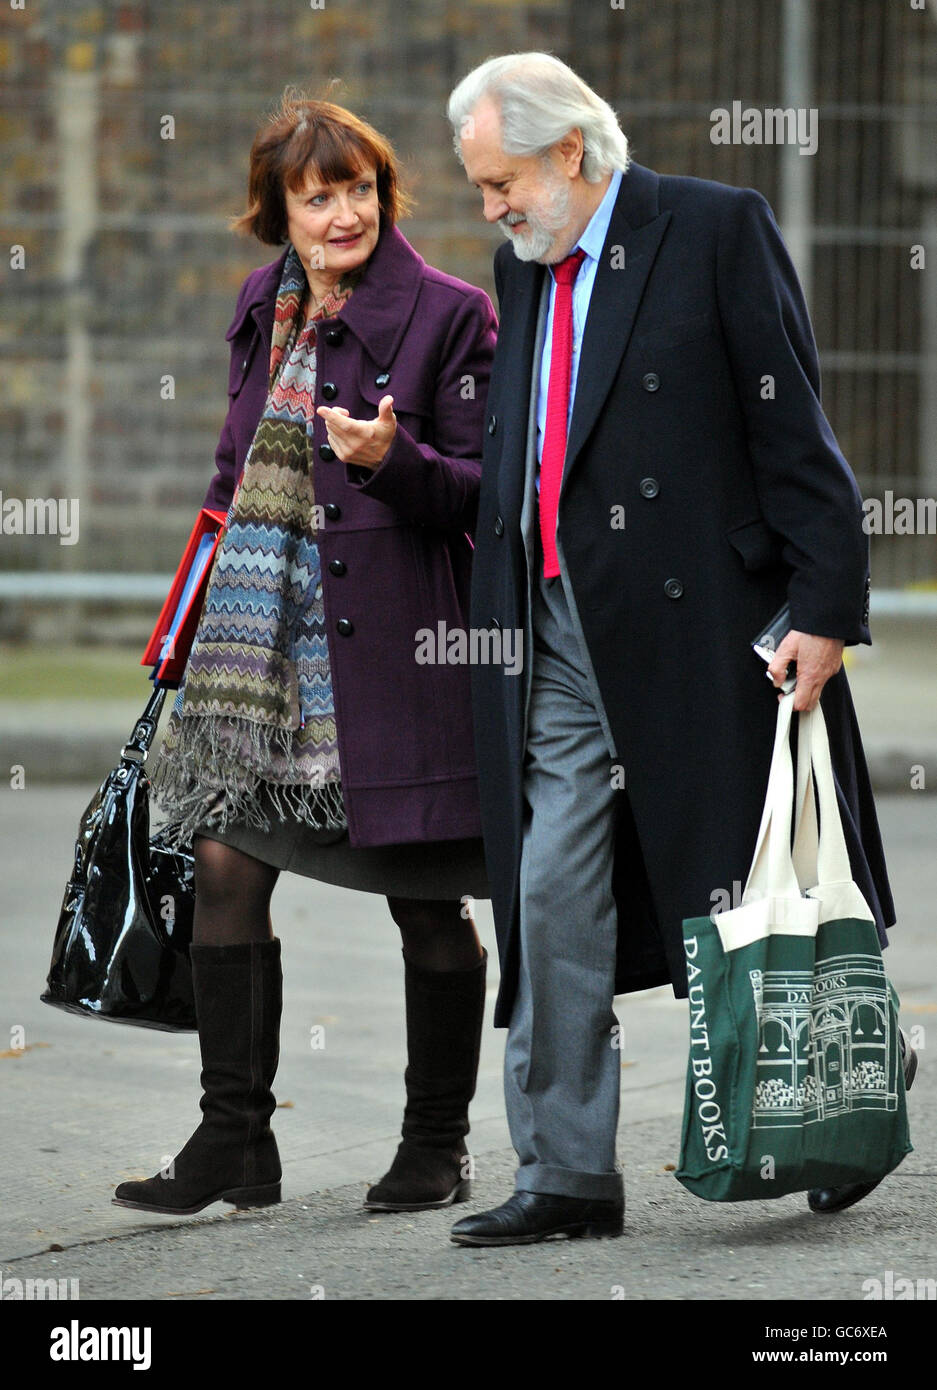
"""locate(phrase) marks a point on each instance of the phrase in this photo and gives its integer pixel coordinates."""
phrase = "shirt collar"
(593, 238)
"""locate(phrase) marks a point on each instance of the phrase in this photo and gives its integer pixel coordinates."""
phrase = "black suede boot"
(445, 1010)
(232, 1156)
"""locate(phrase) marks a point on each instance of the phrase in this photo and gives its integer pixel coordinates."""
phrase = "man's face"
(529, 196)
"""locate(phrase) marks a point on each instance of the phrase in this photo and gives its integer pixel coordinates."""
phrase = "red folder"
(168, 648)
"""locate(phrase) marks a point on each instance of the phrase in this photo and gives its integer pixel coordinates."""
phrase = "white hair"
(541, 100)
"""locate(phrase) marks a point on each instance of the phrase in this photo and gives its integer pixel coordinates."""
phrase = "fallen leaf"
(18, 1051)
(669, 1168)
(285, 1105)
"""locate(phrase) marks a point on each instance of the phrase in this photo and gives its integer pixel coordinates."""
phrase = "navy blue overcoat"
(698, 412)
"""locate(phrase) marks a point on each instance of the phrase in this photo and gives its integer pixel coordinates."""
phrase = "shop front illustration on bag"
(824, 1042)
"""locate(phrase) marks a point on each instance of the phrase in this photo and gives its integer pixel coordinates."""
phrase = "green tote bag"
(794, 1077)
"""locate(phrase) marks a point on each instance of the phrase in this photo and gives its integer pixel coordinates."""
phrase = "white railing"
(43, 587)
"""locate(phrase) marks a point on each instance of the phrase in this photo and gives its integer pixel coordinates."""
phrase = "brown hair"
(308, 133)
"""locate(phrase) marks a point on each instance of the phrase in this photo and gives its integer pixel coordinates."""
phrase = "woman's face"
(334, 226)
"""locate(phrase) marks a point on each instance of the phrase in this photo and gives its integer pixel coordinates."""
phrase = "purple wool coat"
(394, 545)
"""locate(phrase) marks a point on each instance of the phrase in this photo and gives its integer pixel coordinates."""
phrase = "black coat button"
(649, 487)
(326, 453)
(499, 526)
(337, 567)
(333, 511)
(673, 588)
(345, 627)
(382, 379)
(492, 424)
(329, 390)
(334, 337)
(650, 381)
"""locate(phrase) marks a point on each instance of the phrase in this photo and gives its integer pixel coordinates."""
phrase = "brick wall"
(147, 288)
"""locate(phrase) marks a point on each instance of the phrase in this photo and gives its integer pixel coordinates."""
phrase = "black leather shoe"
(527, 1217)
(829, 1199)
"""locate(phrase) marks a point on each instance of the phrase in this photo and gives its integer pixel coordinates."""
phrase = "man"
(658, 479)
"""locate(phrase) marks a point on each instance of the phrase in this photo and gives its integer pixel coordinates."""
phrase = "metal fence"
(860, 215)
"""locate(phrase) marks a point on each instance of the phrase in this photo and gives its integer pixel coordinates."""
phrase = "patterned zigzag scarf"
(255, 709)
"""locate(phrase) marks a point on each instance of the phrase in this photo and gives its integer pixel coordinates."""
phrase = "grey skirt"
(441, 869)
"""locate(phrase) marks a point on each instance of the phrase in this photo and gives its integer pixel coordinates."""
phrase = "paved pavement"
(88, 1104)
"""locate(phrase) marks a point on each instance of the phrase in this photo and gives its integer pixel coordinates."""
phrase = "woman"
(306, 736)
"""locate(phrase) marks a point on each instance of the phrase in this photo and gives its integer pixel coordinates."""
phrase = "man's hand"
(361, 442)
(817, 659)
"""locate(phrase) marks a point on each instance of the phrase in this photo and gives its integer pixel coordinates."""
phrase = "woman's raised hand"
(360, 442)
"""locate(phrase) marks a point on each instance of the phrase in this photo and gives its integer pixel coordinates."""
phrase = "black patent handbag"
(121, 948)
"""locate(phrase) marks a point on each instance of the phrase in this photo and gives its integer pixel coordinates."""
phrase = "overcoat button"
(326, 453)
(649, 487)
(673, 588)
(650, 381)
(329, 390)
(499, 526)
(337, 567)
(382, 379)
(492, 424)
(334, 336)
(333, 511)
(345, 627)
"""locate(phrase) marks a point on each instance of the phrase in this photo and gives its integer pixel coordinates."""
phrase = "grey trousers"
(562, 1069)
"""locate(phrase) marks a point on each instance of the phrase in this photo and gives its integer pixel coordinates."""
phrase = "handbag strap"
(145, 728)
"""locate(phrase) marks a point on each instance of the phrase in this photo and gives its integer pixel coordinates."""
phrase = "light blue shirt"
(591, 241)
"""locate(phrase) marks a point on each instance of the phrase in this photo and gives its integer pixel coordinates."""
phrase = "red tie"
(554, 434)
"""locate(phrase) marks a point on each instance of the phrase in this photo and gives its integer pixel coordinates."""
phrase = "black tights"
(232, 904)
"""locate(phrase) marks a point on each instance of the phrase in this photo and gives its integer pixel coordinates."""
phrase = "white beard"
(548, 216)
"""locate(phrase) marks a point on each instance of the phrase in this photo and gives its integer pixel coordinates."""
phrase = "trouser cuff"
(570, 1182)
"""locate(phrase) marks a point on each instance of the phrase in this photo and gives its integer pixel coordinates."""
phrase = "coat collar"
(636, 205)
(379, 311)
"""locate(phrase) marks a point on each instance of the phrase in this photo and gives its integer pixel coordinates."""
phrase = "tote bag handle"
(821, 859)
(772, 871)
(772, 902)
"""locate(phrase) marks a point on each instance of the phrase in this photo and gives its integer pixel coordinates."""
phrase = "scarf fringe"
(200, 782)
